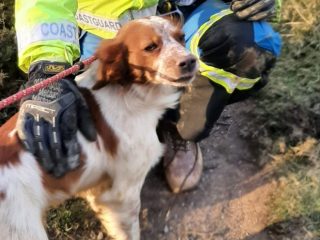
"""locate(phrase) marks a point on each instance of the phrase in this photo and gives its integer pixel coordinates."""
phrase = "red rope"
(35, 88)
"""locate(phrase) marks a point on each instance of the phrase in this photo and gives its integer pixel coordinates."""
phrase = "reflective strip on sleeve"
(226, 79)
(64, 31)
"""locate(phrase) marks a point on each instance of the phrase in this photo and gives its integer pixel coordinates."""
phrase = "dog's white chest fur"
(133, 116)
(134, 81)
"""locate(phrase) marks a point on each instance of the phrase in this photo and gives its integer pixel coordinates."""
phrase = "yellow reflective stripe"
(51, 50)
(238, 79)
(248, 80)
(218, 81)
(228, 80)
(227, 83)
(244, 86)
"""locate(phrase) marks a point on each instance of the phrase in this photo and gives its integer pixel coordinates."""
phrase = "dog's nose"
(188, 64)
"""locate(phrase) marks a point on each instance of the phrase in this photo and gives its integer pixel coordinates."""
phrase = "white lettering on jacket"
(112, 25)
(61, 30)
(64, 31)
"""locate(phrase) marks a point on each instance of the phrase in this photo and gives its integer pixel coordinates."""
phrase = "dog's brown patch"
(107, 134)
(10, 145)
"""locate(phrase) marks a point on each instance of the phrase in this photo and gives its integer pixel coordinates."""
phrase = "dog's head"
(148, 50)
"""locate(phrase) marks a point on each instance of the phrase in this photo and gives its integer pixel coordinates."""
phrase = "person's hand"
(253, 10)
(48, 120)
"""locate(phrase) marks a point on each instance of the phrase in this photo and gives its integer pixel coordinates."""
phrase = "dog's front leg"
(119, 213)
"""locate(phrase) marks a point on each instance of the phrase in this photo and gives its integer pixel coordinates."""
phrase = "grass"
(10, 77)
(287, 116)
(74, 220)
(290, 104)
(295, 203)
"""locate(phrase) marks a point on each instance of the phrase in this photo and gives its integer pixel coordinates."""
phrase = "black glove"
(48, 120)
(229, 44)
(253, 10)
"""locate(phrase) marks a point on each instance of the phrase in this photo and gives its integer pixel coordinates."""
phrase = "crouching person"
(237, 49)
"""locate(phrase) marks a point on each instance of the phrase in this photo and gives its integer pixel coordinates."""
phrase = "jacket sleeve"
(46, 30)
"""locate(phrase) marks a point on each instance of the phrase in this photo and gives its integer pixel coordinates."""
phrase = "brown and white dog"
(136, 77)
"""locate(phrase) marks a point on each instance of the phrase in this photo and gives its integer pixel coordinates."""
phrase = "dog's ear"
(113, 66)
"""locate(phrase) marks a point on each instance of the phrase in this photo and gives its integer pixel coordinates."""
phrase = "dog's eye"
(151, 47)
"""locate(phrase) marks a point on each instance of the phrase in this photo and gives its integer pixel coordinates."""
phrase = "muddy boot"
(182, 161)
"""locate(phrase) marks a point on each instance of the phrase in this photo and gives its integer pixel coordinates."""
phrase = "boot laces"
(177, 143)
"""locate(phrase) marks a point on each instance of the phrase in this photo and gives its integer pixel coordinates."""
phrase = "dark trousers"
(201, 106)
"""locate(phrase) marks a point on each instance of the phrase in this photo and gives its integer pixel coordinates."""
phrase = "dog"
(137, 76)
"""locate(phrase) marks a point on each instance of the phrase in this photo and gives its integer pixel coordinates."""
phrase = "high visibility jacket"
(48, 29)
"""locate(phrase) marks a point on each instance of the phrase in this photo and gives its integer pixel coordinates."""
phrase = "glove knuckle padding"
(259, 16)
(68, 122)
(253, 9)
(25, 131)
(238, 5)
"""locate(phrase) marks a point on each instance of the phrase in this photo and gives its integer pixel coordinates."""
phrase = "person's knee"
(230, 44)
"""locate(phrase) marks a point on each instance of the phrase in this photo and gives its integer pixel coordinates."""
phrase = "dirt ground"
(230, 201)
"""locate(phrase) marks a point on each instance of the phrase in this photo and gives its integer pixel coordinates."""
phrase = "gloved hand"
(48, 120)
(253, 10)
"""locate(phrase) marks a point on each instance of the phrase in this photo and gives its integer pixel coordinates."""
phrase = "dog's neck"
(146, 97)
(136, 98)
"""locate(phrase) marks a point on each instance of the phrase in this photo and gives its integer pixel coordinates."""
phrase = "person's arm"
(46, 30)
(49, 120)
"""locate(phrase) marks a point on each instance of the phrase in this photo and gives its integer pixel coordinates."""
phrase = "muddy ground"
(230, 202)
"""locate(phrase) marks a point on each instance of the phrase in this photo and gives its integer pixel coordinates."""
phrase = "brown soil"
(230, 203)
